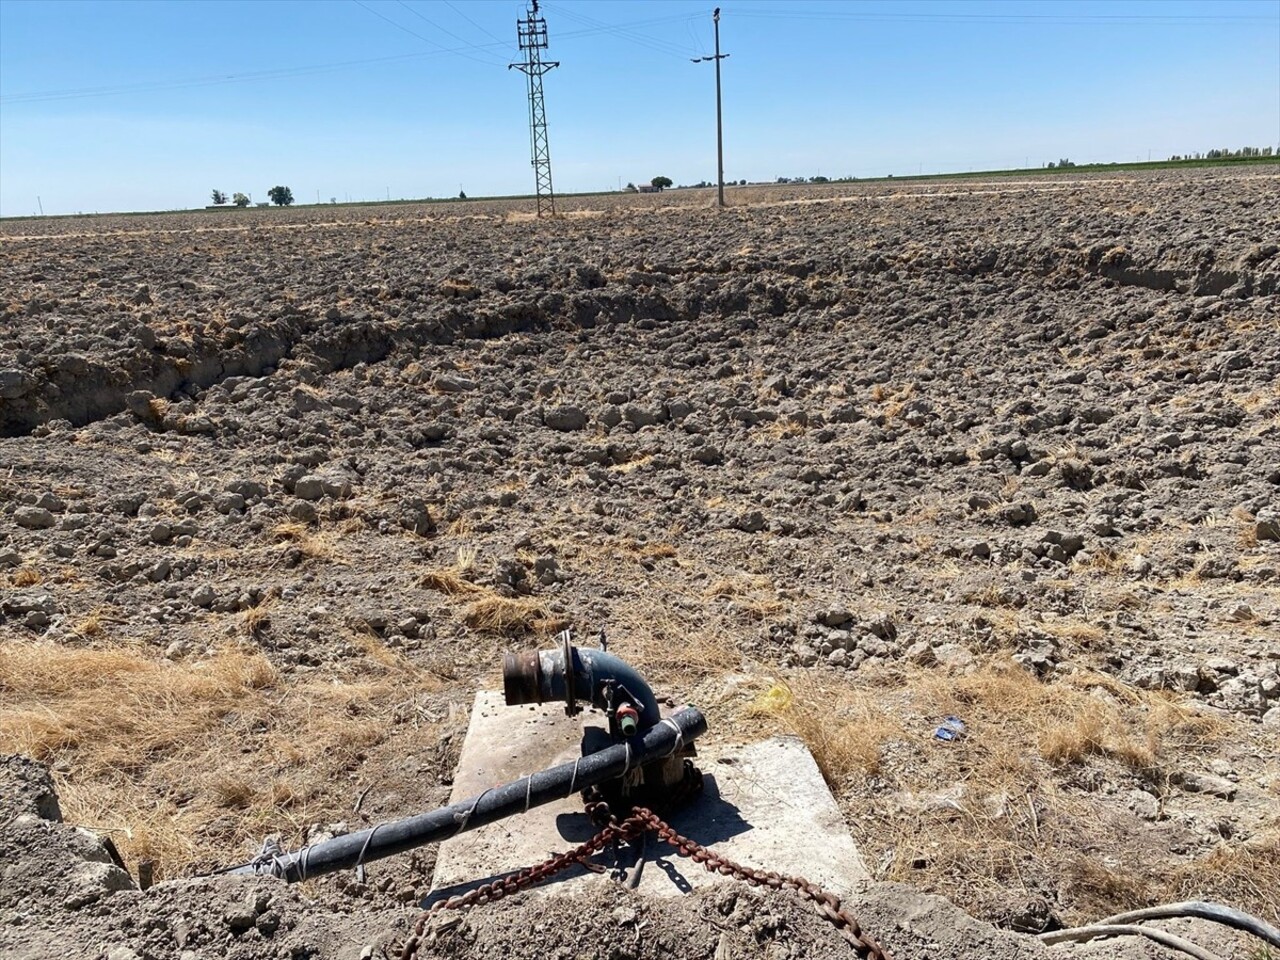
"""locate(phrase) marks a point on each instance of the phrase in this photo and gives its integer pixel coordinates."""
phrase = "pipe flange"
(522, 679)
(570, 691)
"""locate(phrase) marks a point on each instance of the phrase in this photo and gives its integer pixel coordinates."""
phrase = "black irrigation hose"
(387, 839)
(1228, 916)
(1126, 924)
(1093, 931)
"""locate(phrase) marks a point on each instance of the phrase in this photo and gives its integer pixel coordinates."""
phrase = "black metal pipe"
(388, 839)
(542, 677)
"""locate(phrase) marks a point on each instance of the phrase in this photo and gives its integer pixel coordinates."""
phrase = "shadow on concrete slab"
(709, 819)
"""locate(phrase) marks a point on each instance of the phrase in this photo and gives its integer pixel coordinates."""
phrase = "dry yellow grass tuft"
(352, 525)
(1103, 560)
(754, 598)
(313, 545)
(158, 752)
(635, 463)
(460, 526)
(649, 550)
(988, 807)
(376, 650)
(69, 576)
(1099, 888)
(449, 582)
(453, 580)
(1094, 734)
(116, 700)
(724, 587)
(1069, 721)
(1072, 630)
(27, 577)
(231, 792)
(505, 616)
(776, 430)
(257, 619)
(650, 635)
(844, 729)
(91, 626)
(1247, 873)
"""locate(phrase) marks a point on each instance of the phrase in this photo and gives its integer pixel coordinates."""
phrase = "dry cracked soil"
(279, 487)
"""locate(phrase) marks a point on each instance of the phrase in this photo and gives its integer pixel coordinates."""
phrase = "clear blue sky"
(149, 105)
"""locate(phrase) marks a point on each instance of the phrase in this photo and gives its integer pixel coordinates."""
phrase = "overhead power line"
(149, 86)
(481, 28)
(413, 33)
(625, 32)
(449, 32)
(154, 86)
(1117, 19)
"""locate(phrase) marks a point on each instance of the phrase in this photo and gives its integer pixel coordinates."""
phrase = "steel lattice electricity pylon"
(532, 32)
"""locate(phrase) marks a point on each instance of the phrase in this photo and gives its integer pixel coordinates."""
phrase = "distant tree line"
(1226, 154)
(817, 179)
(280, 196)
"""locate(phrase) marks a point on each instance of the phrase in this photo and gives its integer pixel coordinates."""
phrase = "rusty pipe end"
(522, 678)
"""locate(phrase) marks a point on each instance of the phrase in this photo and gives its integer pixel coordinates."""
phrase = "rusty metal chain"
(643, 820)
(515, 882)
(827, 903)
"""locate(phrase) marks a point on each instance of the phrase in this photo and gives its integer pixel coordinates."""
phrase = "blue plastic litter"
(952, 728)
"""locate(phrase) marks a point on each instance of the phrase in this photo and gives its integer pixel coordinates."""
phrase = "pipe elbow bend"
(544, 676)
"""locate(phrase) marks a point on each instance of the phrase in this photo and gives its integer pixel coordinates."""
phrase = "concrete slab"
(764, 805)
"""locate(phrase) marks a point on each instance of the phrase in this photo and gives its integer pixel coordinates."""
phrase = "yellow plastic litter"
(775, 701)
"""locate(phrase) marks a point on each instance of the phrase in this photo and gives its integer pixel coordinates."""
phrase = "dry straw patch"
(488, 611)
(845, 729)
(643, 550)
(632, 464)
(776, 430)
(453, 580)
(754, 598)
(27, 577)
(313, 544)
(156, 753)
(506, 616)
(257, 619)
(1085, 715)
(1249, 873)
(1073, 630)
(979, 817)
(651, 635)
(988, 807)
(95, 624)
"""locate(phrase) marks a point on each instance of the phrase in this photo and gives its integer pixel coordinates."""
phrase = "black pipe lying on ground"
(387, 839)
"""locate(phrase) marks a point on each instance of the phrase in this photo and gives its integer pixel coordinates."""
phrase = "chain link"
(827, 903)
(643, 820)
(514, 882)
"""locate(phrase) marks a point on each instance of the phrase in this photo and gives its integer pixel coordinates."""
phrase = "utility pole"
(715, 18)
(532, 35)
